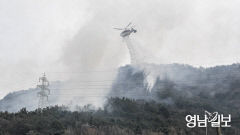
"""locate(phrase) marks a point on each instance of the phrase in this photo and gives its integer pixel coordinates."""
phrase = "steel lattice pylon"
(44, 92)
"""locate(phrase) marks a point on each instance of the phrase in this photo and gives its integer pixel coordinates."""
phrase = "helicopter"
(126, 31)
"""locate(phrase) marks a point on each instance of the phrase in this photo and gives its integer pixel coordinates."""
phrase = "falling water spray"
(132, 50)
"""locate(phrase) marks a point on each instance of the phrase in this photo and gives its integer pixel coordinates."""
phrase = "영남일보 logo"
(215, 119)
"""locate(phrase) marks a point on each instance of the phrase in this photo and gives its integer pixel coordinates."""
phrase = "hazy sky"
(76, 35)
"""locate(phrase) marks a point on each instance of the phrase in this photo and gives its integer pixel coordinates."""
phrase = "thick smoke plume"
(87, 53)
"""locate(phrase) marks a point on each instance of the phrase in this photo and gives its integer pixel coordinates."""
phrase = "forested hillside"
(218, 85)
(135, 108)
(120, 116)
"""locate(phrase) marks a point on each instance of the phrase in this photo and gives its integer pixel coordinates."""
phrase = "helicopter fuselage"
(127, 32)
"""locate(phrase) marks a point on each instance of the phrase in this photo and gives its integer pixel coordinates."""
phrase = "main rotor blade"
(118, 28)
(128, 25)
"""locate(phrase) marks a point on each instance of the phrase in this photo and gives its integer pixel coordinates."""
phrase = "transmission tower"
(44, 92)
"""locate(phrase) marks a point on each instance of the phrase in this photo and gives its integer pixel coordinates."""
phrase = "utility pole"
(44, 92)
(219, 131)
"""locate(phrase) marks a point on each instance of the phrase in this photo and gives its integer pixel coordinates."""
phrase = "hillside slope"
(15, 101)
(218, 85)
